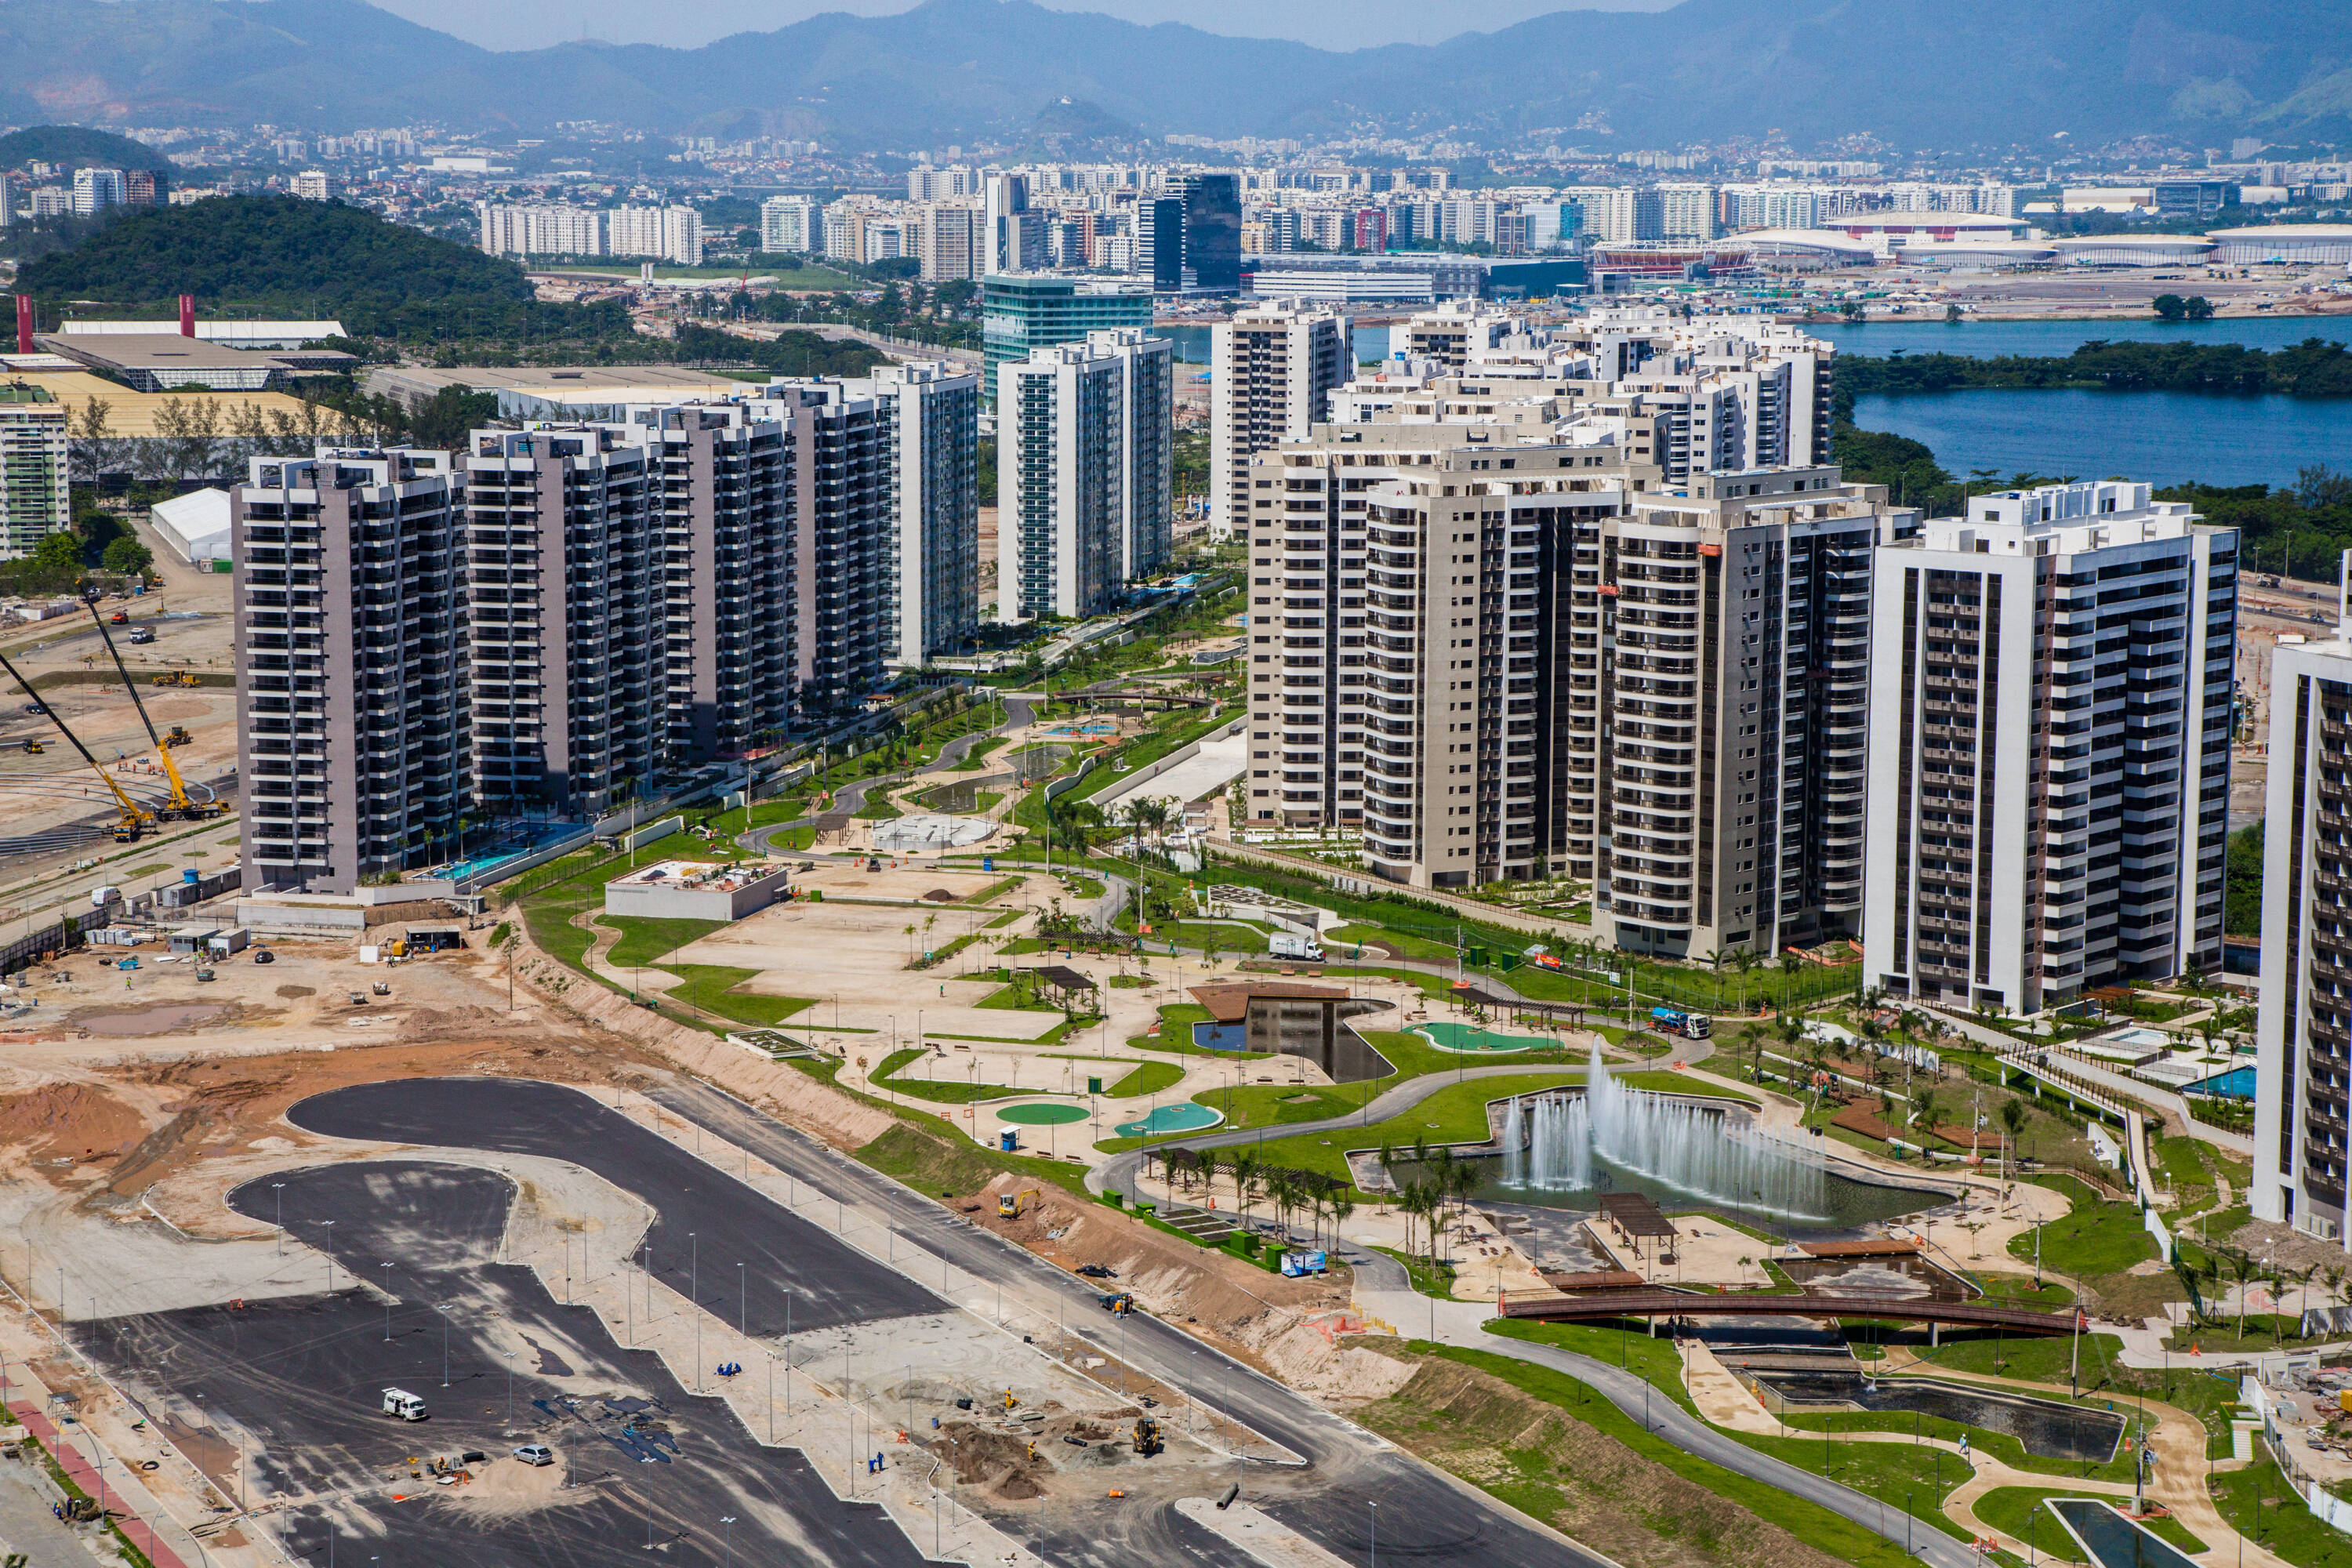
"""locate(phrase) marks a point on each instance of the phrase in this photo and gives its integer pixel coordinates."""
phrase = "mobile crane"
(179, 807)
(133, 819)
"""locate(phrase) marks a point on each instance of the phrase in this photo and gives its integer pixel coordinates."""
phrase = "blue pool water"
(1183, 1116)
(1221, 1037)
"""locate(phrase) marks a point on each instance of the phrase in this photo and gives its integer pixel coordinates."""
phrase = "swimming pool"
(1182, 1117)
(1470, 1039)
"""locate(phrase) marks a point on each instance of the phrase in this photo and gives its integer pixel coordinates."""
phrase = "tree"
(59, 552)
(92, 439)
(127, 556)
(2169, 307)
(2241, 1269)
(2013, 1120)
(1923, 1116)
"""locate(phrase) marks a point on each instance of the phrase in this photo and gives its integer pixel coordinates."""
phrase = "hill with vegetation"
(279, 256)
(77, 147)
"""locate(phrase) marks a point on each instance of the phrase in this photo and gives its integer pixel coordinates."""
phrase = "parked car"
(142, 635)
(263, 955)
(535, 1454)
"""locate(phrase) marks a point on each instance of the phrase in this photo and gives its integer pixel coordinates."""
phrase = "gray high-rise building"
(841, 535)
(566, 546)
(354, 745)
(722, 481)
(931, 422)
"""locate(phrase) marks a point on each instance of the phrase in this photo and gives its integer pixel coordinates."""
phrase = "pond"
(2047, 1428)
(1167, 1119)
(2114, 1542)
(1840, 1203)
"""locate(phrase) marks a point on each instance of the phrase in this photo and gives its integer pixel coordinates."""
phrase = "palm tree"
(1923, 1107)
(2012, 1120)
(1343, 1208)
(2241, 1269)
(1789, 964)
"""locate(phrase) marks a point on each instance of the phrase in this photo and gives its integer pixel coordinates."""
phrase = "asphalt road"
(706, 1222)
(302, 1379)
(1425, 1515)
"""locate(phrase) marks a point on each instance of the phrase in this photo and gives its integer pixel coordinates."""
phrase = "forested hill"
(279, 256)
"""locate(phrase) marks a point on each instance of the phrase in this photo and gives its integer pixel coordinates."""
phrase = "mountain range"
(1918, 73)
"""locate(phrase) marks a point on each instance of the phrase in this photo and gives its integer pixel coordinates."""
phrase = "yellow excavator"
(133, 819)
(179, 807)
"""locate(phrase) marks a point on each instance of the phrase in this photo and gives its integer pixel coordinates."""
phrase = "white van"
(402, 1405)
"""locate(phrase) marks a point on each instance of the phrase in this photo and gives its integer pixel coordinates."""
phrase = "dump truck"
(1681, 1021)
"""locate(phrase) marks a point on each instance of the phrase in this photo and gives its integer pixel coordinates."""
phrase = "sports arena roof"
(1974, 252)
(2133, 249)
(1824, 242)
(2290, 242)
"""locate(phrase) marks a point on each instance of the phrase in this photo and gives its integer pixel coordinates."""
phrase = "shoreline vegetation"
(2315, 367)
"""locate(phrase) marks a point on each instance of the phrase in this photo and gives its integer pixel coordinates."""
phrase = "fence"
(21, 953)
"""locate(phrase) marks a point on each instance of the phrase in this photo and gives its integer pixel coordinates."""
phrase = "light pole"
(694, 1296)
(279, 1188)
(386, 1265)
(727, 1520)
(1376, 1536)
(330, 1250)
(445, 1345)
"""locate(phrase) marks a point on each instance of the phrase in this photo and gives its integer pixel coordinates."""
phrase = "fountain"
(1559, 1143)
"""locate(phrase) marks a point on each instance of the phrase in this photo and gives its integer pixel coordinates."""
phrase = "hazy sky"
(1332, 24)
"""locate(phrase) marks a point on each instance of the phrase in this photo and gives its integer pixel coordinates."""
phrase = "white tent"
(196, 525)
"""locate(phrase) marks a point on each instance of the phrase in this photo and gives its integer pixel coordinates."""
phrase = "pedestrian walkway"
(94, 1479)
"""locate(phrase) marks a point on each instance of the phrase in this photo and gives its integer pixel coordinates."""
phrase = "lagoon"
(2057, 339)
(2164, 437)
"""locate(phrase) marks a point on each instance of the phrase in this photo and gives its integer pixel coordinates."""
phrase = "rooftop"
(701, 876)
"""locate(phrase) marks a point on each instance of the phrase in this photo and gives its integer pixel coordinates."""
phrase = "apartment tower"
(353, 746)
(1273, 368)
(1083, 473)
(568, 579)
(2052, 692)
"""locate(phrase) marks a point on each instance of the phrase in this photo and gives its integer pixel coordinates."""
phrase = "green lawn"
(1828, 1532)
(2094, 1238)
(2263, 1506)
(2017, 1512)
(711, 987)
(1270, 1104)
(946, 1090)
(1148, 1077)
(1653, 1360)
(2104, 1382)
(647, 941)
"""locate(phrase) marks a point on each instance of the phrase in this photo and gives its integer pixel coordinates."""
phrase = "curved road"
(1018, 714)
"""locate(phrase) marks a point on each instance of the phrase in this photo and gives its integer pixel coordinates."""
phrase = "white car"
(535, 1454)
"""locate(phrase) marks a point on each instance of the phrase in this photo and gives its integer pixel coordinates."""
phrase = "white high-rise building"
(315, 186)
(792, 224)
(95, 189)
(33, 492)
(1084, 443)
(672, 234)
(929, 419)
(1273, 370)
(2302, 1065)
(926, 183)
(1015, 235)
(1687, 213)
(2051, 699)
(950, 246)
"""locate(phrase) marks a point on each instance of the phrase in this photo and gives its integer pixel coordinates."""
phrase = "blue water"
(2164, 437)
(1193, 342)
(1989, 340)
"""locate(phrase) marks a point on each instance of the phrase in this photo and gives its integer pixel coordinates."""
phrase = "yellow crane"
(134, 818)
(179, 807)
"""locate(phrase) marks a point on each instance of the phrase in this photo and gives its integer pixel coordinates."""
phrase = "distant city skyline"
(1325, 23)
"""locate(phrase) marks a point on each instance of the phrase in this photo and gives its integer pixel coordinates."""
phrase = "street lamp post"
(386, 1265)
(279, 1188)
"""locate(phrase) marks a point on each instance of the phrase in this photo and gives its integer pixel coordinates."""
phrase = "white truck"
(1290, 945)
(402, 1405)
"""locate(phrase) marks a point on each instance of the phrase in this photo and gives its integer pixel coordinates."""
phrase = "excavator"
(179, 807)
(133, 819)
